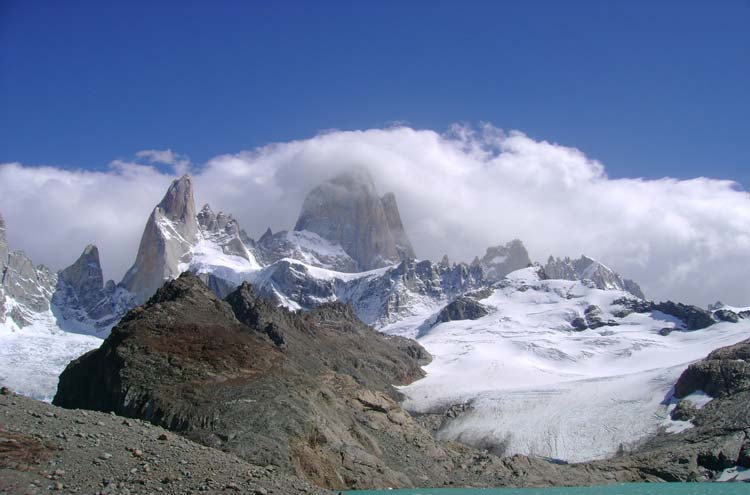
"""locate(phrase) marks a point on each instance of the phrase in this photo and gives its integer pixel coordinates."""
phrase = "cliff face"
(171, 231)
(347, 211)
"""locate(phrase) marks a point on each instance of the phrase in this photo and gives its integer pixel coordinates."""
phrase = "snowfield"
(32, 357)
(536, 386)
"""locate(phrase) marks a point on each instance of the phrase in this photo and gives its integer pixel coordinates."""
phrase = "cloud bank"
(458, 192)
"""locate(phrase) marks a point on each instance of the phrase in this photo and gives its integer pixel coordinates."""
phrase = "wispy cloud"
(458, 192)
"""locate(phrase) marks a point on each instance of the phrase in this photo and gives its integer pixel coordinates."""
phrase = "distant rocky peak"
(178, 204)
(501, 260)
(587, 268)
(216, 222)
(347, 211)
(3, 246)
(86, 273)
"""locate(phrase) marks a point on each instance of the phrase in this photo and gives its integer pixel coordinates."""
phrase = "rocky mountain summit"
(347, 211)
(25, 289)
(171, 231)
(585, 268)
(499, 261)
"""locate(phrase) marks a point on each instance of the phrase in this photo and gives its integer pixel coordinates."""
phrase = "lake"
(624, 489)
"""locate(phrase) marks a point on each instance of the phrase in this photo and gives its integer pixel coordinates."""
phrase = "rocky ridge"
(585, 268)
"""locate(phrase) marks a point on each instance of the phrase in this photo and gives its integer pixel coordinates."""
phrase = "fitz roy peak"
(347, 211)
(171, 231)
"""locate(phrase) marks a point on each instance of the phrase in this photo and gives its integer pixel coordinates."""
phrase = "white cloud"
(458, 193)
(180, 163)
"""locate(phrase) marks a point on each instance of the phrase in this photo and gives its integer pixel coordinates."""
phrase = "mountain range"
(565, 361)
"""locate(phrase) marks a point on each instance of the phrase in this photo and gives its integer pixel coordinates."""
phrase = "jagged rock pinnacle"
(171, 231)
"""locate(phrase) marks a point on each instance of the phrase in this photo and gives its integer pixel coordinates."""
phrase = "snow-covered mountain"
(566, 360)
(585, 268)
(560, 369)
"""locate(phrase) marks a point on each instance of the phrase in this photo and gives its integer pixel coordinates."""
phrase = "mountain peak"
(178, 203)
(347, 211)
(501, 260)
(588, 268)
(171, 232)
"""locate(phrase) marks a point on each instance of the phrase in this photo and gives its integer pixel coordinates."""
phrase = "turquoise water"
(626, 489)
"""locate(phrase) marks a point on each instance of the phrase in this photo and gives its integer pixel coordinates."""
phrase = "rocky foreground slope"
(45, 448)
(310, 393)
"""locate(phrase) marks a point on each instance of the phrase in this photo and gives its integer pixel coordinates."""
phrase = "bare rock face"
(585, 268)
(499, 261)
(403, 245)
(82, 298)
(462, 308)
(171, 231)
(225, 232)
(29, 286)
(3, 246)
(347, 211)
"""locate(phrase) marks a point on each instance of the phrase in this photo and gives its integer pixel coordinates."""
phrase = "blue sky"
(651, 89)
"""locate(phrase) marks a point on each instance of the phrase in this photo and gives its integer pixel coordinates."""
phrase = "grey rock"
(224, 231)
(724, 372)
(585, 268)
(500, 260)
(3, 246)
(347, 211)
(579, 324)
(304, 246)
(82, 299)
(393, 217)
(726, 315)
(379, 298)
(30, 286)
(462, 308)
(684, 411)
(692, 317)
(171, 231)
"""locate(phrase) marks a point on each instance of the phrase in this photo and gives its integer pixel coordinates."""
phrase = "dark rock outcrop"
(726, 315)
(724, 372)
(462, 308)
(720, 436)
(692, 317)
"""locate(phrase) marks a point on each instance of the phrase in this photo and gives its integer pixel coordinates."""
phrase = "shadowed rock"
(462, 308)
